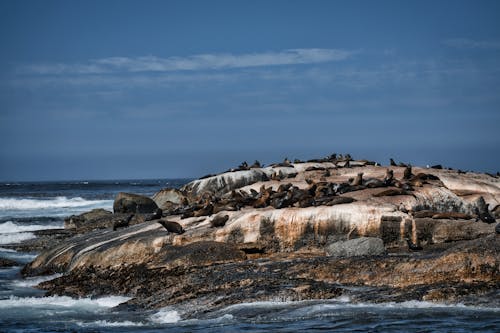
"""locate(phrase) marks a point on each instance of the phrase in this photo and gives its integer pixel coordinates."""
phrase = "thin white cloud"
(193, 62)
(465, 43)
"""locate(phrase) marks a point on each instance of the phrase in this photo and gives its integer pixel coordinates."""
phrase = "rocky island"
(289, 231)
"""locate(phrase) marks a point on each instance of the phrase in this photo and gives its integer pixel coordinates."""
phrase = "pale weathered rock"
(168, 197)
(363, 246)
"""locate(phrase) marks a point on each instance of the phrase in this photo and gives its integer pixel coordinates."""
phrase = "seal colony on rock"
(288, 230)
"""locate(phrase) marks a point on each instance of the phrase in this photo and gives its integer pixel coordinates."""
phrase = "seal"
(483, 212)
(392, 162)
(122, 223)
(339, 201)
(219, 221)
(497, 228)
(389, 177)
(412, 246)
(156, 215)
(451, 216)
(407, 173)
(391, 192)
(172, 226)
(358, 180)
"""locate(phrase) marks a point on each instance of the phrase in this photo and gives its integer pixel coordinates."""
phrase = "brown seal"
(219, 221)
(391, 192)
(451, 216)
(122, 223)
(172, 226)
(358, 180)
(407, 173)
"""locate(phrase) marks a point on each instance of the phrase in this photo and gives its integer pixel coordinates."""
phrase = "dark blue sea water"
(25, 207)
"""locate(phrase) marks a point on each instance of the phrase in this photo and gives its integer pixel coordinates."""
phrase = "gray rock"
(363, 246)
(78, 221)
(134, 203)
(168, 197)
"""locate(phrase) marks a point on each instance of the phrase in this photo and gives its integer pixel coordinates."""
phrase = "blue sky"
(145, 89)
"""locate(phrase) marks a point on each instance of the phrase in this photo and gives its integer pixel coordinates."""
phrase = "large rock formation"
(280, 224)
(134, 203)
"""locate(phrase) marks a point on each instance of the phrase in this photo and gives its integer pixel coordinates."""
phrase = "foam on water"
(165, 316)
(34, 281)
(105, 323)
(62, 302)
(10, 227)
(15, 238)
(54, 206)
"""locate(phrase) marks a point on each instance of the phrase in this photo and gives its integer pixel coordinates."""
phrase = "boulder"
(168, 197)
(79, 221)
(363, 246)
(4, 262)
(134, 203)
(456, 230)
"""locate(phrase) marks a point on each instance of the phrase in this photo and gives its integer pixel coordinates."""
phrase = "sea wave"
(11, 227)
(34, 281)
(62, 301)
(15, 238)
(165, 316)
(48, 203)
(105, 323)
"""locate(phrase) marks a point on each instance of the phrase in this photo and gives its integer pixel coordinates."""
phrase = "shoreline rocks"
(290, 231)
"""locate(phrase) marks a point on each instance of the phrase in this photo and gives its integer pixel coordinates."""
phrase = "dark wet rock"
(134, 203)
(86, 221)
(363, 246)
(4, 262)
(45, 240)
(197, 254)
(103, 219)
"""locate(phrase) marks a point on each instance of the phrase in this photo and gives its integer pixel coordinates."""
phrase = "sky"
(167, 89)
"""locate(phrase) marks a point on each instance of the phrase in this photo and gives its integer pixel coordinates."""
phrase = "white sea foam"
(344, 302)
(50, 203)
(15, 238)
(33, 281)
(62, 302)
(10, 227)
(165, 316)
(105, 323)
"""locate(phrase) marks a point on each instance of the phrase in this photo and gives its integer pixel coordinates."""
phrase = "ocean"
(26, 207)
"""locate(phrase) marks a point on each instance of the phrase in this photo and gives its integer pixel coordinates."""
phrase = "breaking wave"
(15, 238)
(49, 203)
(62, 302)
(11, 227)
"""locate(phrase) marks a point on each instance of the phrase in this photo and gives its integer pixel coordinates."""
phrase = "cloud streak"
(192, 63)
(465, 43)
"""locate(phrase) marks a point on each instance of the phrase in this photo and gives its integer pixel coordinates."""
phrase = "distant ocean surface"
(26, 207)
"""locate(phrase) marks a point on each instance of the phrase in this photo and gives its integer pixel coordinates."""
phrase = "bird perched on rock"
(412, 246)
